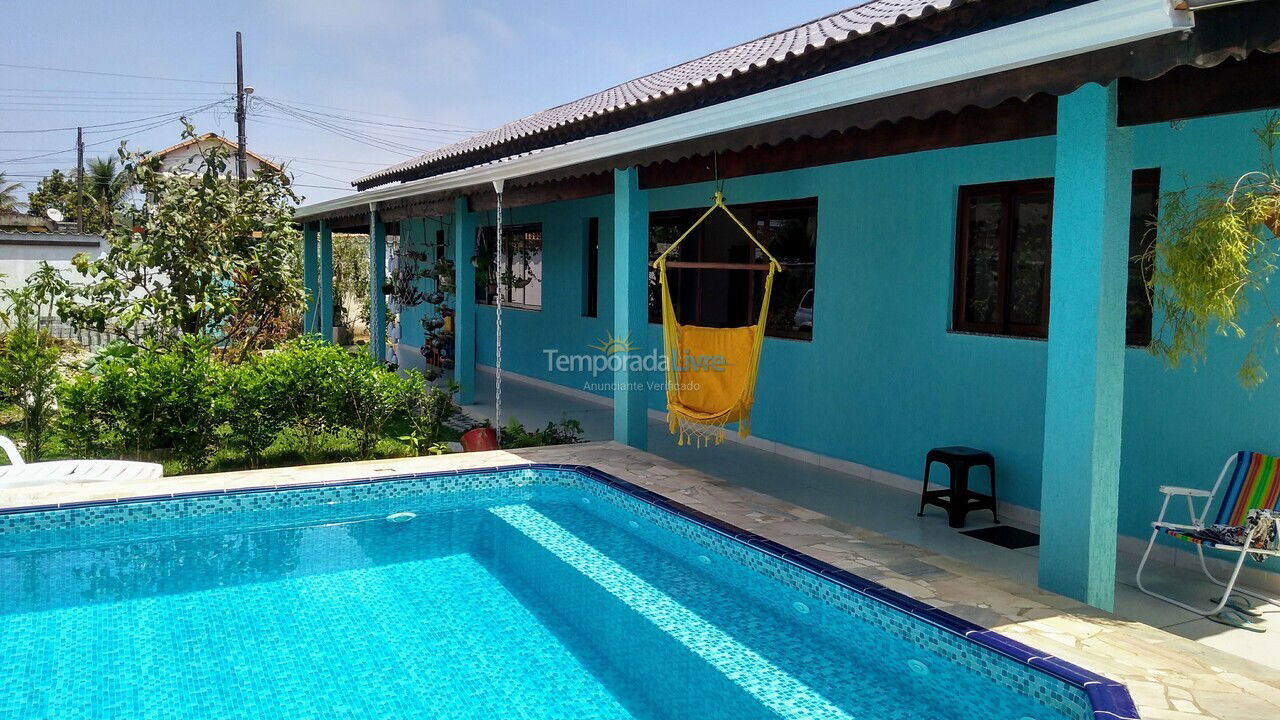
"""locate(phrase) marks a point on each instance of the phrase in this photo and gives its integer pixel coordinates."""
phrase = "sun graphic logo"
(611, 345)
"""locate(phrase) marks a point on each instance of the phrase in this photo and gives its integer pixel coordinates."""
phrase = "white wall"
(21, 253)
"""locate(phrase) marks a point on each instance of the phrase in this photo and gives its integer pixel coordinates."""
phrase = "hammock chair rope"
(701, 400)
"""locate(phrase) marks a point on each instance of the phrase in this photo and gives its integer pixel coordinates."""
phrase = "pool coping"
(1108, 699)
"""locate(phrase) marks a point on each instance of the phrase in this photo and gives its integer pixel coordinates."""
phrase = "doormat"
(1005, 536)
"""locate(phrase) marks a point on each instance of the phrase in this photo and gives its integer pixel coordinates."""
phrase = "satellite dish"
(54, 214)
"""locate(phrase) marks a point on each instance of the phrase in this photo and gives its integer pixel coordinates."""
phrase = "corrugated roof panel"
(837, 27)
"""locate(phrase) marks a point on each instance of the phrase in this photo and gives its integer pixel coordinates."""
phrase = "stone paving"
(1170, 678)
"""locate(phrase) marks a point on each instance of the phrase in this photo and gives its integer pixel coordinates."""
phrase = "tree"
(206, 259)
(107, 184)
(54, 190)
(8, 194)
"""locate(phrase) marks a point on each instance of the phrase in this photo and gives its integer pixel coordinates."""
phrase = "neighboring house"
(916, 164)
(186, 155)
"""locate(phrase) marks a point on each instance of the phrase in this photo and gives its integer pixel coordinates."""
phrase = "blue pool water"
(525, 594)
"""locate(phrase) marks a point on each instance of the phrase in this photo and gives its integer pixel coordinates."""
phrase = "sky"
(388, 79)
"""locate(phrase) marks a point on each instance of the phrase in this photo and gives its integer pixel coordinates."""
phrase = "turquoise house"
(957, 190)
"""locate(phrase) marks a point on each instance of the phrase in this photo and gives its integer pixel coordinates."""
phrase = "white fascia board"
(1074, 31)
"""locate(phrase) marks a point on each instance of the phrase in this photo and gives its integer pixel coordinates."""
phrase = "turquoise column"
(309, 278)
(1084, 394)
(377, 278)
(630, 304)
(325, 283)
(464, 318)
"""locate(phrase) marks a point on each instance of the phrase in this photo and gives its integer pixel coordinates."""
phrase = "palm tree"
(8, 194)
(108, 186)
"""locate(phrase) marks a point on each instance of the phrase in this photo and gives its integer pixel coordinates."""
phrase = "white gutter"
(1078, 30)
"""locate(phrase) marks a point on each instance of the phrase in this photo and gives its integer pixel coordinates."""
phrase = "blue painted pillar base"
(630, 304)
(464, 318)
(310, 278)
(377, 278)
(1084, 394)
(325, 284)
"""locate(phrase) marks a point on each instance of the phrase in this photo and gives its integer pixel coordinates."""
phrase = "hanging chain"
(497, 376)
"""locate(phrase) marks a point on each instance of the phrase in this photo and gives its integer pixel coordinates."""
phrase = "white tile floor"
(889, 511)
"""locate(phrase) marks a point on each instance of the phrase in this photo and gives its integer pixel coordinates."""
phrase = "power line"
(109, 74)
(168, 115)
(379, 123)
(461, 128)
(84, 91)
(350, 134)
(131, 133)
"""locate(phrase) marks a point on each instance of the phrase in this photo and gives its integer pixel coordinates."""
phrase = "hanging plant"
(444, 275)
(1217, 248)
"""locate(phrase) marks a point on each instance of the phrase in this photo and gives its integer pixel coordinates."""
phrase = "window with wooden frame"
(1003, 244)
(712, 297)
(1002, 258)
(519, 274)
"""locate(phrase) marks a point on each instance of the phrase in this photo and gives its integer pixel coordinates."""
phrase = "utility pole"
(241, 166)
(80, 180)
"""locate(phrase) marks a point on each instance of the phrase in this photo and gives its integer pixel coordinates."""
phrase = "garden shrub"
(306, 371)
(371, 395)
(131, 403)
(433, 405)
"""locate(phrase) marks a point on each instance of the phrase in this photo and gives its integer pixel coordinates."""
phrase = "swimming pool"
(532, 592)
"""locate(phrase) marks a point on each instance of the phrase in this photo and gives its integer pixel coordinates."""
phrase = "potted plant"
(1217, 244)
(480, 438)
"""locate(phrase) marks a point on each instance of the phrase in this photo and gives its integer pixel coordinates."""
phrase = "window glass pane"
(1029, 258)
(1142, 213)
(663, 231)
(982, 263)
(791, 236)
(518, 274)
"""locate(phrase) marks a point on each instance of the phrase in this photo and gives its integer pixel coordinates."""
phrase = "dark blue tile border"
(1109, 700)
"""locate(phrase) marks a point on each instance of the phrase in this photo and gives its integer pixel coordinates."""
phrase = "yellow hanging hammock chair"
(711, 372)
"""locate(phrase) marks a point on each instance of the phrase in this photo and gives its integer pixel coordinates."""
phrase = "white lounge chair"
(1248, 482)
(19, 473)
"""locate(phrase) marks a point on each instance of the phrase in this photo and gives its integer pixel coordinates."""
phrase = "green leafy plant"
(131, 404)
(371, 395)
(259, 391)
(565, 432)
(1217, 248)
(205, 258)
(306, 370)
(433, 405)
(29, 368)
(350, 278)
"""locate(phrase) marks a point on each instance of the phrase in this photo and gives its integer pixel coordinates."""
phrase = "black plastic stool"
(958, 501)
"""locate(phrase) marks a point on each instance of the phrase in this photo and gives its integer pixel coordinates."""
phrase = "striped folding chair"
(1248, 481)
